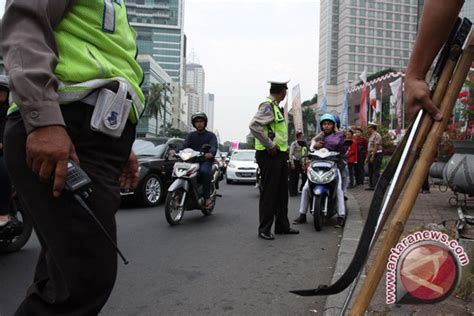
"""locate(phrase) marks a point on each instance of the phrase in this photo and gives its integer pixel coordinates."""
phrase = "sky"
(244, 43)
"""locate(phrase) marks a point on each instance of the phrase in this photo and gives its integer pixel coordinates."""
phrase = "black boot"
(300, 220)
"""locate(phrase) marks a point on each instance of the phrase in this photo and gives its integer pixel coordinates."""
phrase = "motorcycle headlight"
(313, 176)
(328, 176)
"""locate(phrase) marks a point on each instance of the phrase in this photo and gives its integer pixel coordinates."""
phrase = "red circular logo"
(428, 272)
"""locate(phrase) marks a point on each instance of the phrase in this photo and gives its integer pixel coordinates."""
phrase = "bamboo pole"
(415, 183)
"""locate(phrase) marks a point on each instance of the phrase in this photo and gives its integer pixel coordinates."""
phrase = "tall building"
(209, 110)
(159, 24)
(355, 34)
(195, 79)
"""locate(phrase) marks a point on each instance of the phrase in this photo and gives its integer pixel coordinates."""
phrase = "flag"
(373, 103)
(378, 108)
(345, 107)
(363, 75)
(296, 106)
(234, 144)
(396, 87)
(363, 106)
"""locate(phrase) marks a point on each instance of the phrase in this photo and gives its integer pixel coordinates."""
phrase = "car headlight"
(232, 166)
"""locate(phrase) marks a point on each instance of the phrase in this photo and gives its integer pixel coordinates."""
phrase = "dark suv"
(156, 161)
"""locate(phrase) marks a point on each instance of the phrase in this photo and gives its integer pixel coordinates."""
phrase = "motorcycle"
(12, 240)
(185, 193)
(323, 181)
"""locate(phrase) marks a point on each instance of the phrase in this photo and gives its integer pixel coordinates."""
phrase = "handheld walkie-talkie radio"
(79, 185)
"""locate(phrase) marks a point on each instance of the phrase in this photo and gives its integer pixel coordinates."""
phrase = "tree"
(154, 103)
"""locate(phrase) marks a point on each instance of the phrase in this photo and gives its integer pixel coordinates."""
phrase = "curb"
(350, 239)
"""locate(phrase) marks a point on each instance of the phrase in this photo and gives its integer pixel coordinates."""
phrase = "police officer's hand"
(48, 149)
(129, 177)
(418, 97)
(293, 166)
(273, 151)
(208, 156)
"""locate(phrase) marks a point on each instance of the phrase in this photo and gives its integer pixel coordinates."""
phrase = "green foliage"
(174, 132)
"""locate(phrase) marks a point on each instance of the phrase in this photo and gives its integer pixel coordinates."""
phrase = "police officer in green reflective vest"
(75, 86)
(271, 143)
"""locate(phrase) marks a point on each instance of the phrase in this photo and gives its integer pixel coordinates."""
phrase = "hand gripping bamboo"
(415, 183)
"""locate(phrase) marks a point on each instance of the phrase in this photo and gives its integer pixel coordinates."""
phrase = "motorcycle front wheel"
(318, 206)
(173, 211)
(16, 243)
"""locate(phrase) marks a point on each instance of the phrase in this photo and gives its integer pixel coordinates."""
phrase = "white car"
(242, 167)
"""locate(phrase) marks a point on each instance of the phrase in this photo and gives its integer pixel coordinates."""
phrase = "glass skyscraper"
(358, 34)
(159, 24)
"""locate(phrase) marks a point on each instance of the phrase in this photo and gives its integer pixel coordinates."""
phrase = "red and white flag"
(373, 99)
(363, 107)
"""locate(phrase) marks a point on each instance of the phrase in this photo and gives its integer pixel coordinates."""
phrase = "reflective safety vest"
(278, 126)
(97, 47)
(304, 151)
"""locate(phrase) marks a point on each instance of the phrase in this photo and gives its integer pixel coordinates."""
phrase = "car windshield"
(145, 147)
(243, 156)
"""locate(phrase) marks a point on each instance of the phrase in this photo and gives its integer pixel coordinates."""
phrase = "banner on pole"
(296, 106)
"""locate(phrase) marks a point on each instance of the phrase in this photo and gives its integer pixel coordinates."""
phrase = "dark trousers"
(77, 266)
(274, 195)
(352, 173)
(205, 178)
(5, 188)
(295, 177)
(374, 169)
(360, 170)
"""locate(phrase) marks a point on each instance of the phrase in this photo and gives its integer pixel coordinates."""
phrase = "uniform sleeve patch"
(267, 108)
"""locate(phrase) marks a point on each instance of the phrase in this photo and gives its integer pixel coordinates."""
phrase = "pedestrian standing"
(374, 155)
(75, 86)
(352, 157)
(271, 144)
(298, 151)
(361, 155)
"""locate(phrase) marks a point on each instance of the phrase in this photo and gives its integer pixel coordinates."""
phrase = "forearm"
(437, 21)
(31, 55)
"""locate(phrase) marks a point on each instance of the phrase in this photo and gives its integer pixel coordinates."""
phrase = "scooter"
(323, 181)
(185, 193)
(12, 240)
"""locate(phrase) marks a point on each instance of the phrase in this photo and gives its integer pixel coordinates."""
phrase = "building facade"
(159, 26)
(195, 78)
(209, 110)
(362, 34)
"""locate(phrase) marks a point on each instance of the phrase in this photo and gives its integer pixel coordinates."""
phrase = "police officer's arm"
(292, 151)
(263, 117)
(437, 20)
(30, 56)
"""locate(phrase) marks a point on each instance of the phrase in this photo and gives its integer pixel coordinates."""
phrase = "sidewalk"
(429, 208)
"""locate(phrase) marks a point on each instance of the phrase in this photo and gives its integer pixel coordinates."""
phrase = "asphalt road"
(207, 265)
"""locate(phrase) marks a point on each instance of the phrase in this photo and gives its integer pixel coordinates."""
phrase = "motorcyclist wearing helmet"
(333, 140)
(196, 140)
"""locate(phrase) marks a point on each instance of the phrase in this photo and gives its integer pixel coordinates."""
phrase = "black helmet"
(199, 115)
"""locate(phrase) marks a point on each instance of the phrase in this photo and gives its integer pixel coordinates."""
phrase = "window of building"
(370, 41)
(362, 31)
(406, 45)
(388, 61)
(360, 68)
(379, 41)
(362, 12)
(351, 67)
(354, 2)
(398, 8)
(379, 51)
(362, 40)
(398, 35)
(352, 39)
(388, 25)
(370, 59)
(380, 24)
(371, 23)
(406, 27)
(388, 34)
(361, 49)
(388, 52)
(361, 22)
(388, 43)
(406, 36)
(354, 11)
(406, 18)
(352, 57)
(389, 7)
(352, 48)
(396, 44)
(378, 60)
(370, 50)
(361, 58)
(379, 5)
(380, 33)
(398, 26)
(352, 30)
(353, 21)
(371, 14)
(406, 9)
(370, 32)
